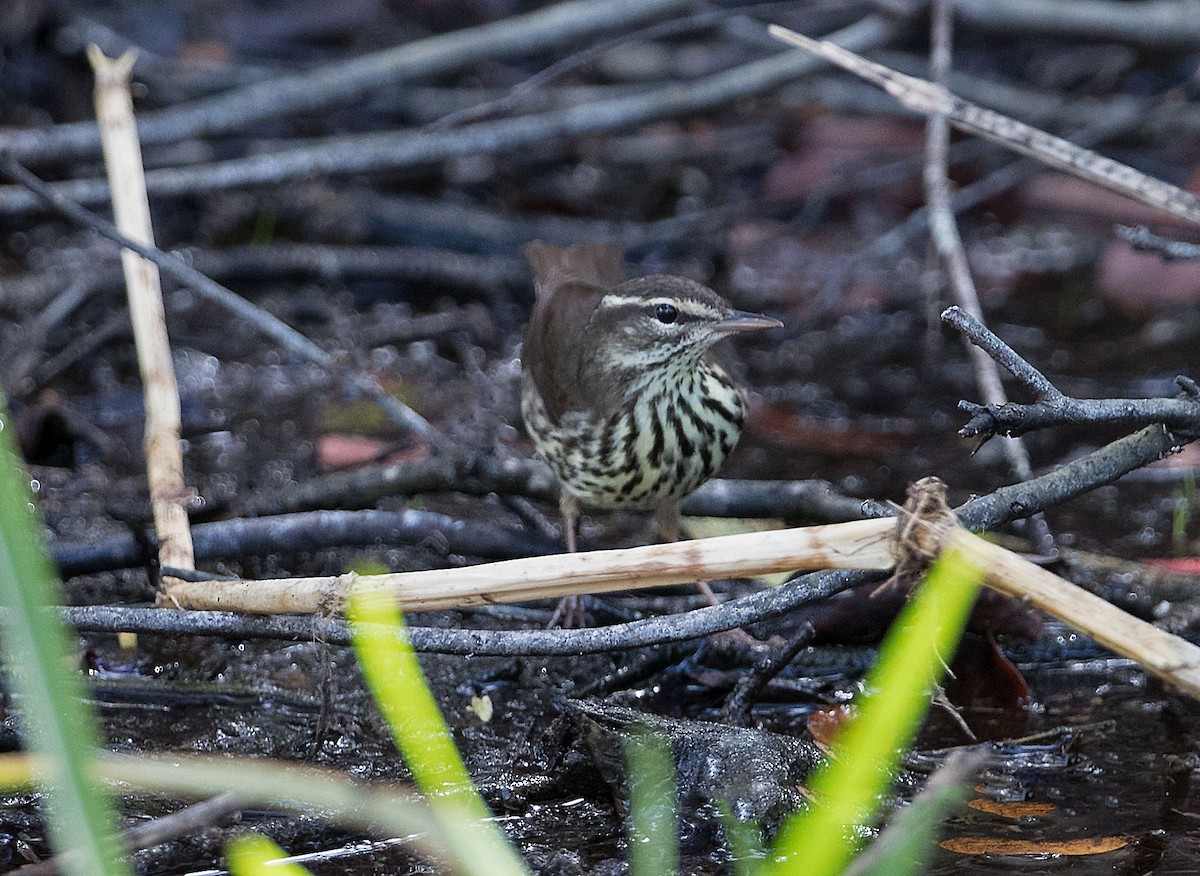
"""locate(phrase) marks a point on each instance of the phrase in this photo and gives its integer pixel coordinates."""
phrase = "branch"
(392, 150)
(347, 80)
(860, 544)
(944, 230)
(1169, 657)
(269, 325)
(1180, 415)
(1147, 23)
(478, 642)
(1141, 238)
(169, 493)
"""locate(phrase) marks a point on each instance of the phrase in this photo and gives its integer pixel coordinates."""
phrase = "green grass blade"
(908, 843)
(653, 805)
(377, 808)
(255, 855)
(394, 676)
(744, 840)
(821, 840)
(36, 648)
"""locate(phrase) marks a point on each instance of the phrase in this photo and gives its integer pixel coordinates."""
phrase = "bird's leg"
(569, 612)
(569, 506)
(667, 516)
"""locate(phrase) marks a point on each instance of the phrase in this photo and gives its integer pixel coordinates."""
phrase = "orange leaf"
(825, 724)
(983, 845)
(1011, 810)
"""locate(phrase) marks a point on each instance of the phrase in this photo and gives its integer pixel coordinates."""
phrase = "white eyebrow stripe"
(689, 306)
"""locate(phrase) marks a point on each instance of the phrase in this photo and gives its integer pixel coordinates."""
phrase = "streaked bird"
(619, 391)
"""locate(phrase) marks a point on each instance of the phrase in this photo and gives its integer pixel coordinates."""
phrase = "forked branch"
(1180, 415)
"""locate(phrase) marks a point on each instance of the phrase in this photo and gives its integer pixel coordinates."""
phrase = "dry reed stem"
(1171, 658)
(861, 544)
(927, 98)
(169, 496)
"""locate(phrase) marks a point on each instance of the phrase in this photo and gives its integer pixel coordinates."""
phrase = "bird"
(619, 389)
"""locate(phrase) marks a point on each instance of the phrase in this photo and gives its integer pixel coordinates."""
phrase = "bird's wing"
(569, 282)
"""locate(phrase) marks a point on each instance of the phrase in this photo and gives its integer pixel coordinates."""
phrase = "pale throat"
(646, 373)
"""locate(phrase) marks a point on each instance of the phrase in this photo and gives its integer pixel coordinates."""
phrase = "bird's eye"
(666, 313)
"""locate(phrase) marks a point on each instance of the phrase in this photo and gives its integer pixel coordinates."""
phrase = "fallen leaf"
(825, 724)
(985, 845)
(1011, 810)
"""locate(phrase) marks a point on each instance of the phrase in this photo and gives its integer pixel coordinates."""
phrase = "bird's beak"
(738, 321)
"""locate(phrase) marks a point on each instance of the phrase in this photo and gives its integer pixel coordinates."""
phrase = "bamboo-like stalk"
(928, 98)
(861, 544)
(926, 530)
(169, 496)
(1171, 658)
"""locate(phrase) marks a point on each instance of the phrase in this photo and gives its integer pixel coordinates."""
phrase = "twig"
(1148, 23)
(944, 231)
(1079, 476)
(497, 643)
(269, 325)
(749, 687)
(1174, 660)
(390, 150)
(1180, 414)
(925, 97)
(347, 80)
(184, 821)
(1141, 238)
(157, 831)
(169, 494)
(934, 531)
(981, 336)
(288, 533)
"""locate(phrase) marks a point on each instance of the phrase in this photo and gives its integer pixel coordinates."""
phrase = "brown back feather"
(569, 284)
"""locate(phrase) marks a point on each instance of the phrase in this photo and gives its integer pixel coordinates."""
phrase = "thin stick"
(271, 326)
(861, 544)
(927, 98)
(183, 822)
(169, 494)
(943, 229)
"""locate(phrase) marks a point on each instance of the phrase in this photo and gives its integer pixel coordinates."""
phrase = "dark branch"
(983, 337)
(1141, 238)
(1100, 467)
(1180, 415)
(259, 536)
(652, 631)
(269, 325)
